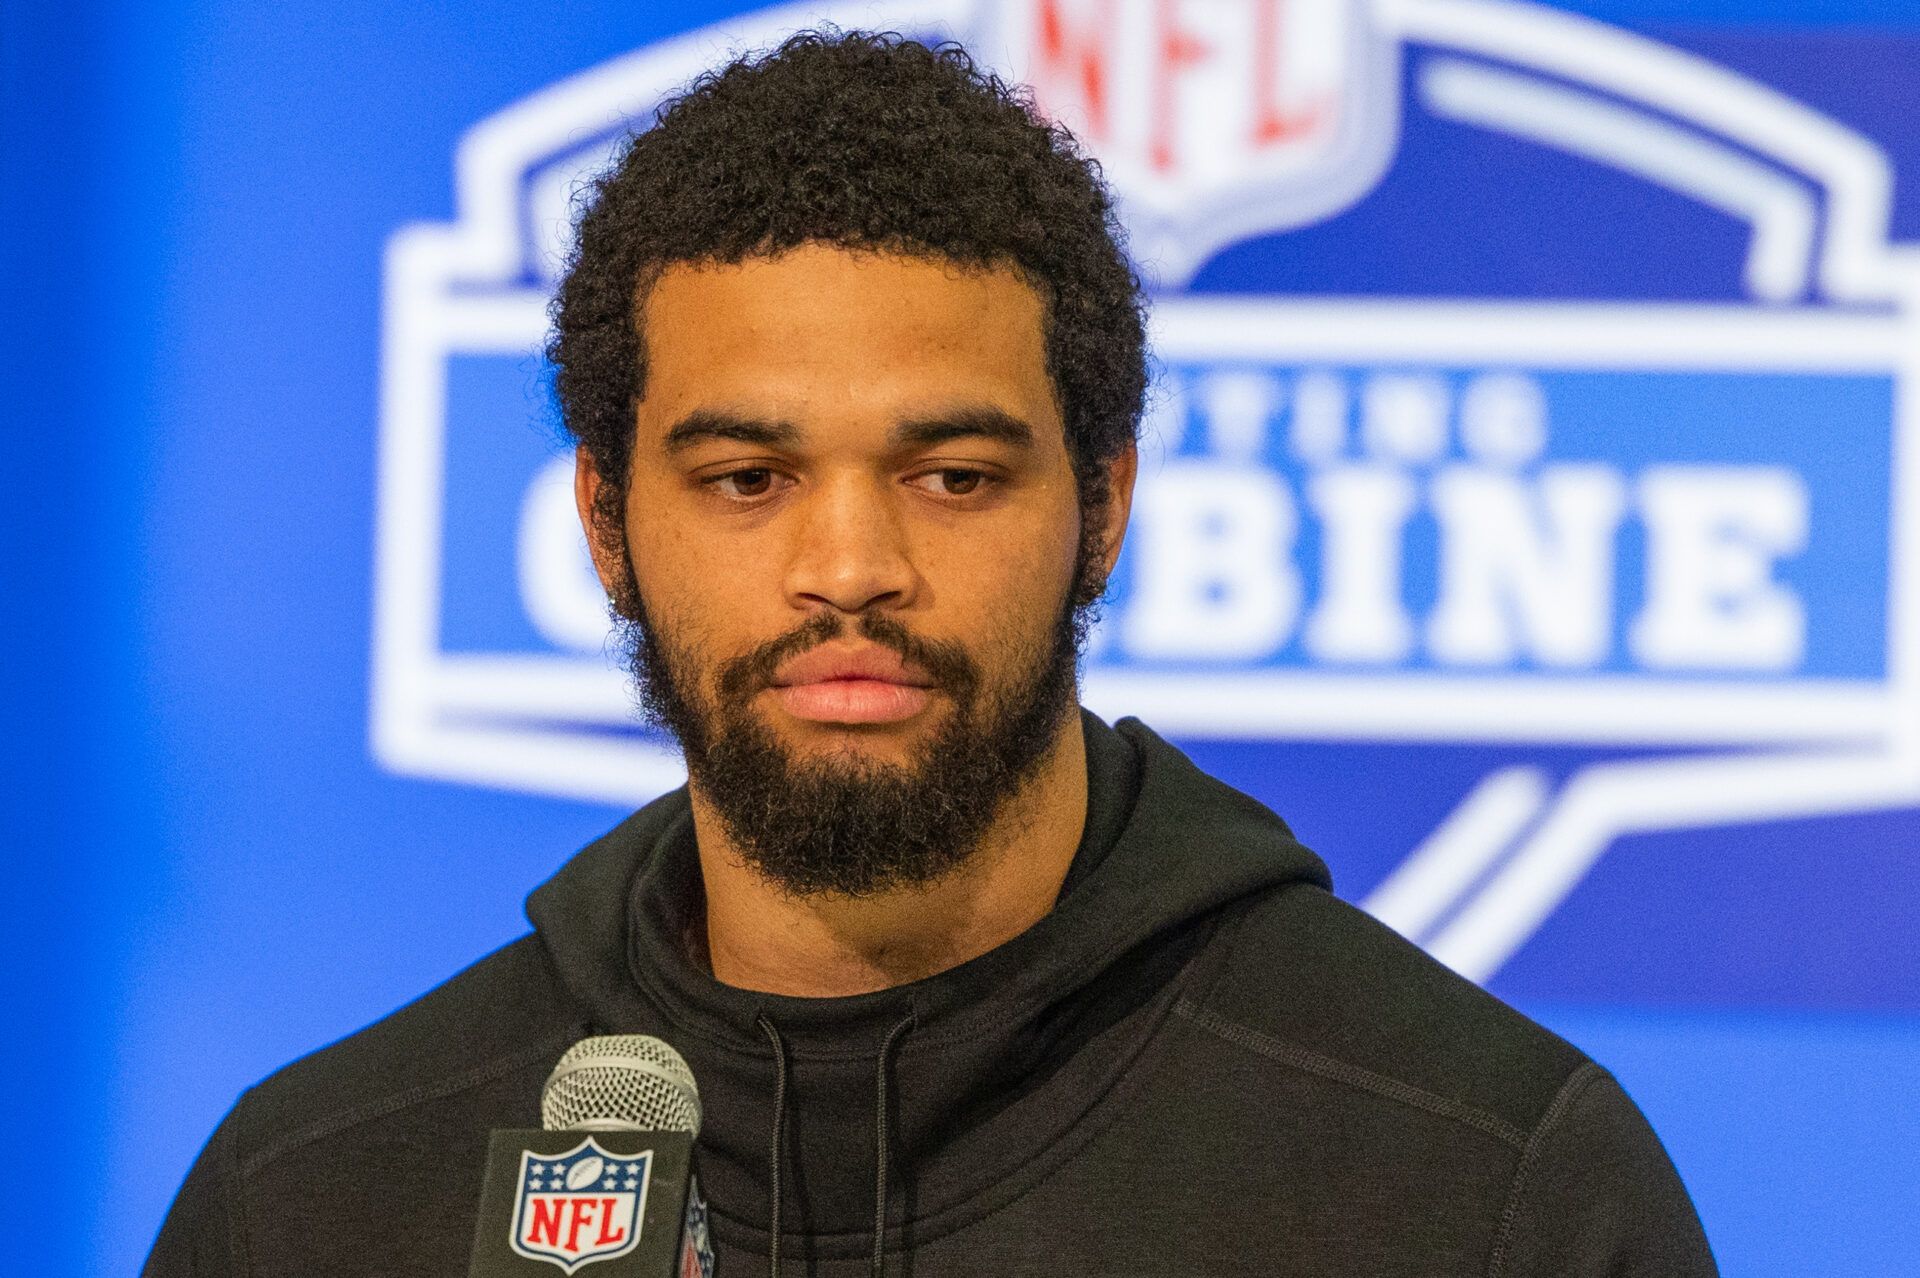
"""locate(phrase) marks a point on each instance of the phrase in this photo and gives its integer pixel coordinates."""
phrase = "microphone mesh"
(621, 1082)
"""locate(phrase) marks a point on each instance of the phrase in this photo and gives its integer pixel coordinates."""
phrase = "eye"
(754, 481)
(955, 481)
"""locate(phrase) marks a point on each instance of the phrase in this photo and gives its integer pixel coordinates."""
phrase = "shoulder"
(1314, 983)
(505, 1017)
(1565, 1176)
(321, 1155)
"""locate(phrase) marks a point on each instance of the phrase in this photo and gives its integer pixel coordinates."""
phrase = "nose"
(850, 550)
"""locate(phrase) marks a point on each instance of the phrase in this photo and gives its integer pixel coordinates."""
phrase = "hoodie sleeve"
(199, 1238)
(1595, 1195)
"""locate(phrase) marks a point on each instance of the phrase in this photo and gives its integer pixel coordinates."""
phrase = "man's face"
(853, 532)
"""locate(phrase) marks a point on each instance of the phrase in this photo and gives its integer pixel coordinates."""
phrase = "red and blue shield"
(581, 1206)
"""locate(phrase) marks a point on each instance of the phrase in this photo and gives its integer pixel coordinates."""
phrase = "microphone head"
(620, 1083)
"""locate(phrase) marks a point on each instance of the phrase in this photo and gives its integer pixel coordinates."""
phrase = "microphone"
(608, 1181)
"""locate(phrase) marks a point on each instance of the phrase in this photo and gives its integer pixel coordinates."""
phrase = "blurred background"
(1531, 515)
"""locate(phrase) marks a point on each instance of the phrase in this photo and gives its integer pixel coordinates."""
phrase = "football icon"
(584, 1172)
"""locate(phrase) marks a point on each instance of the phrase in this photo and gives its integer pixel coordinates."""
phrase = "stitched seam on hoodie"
(237, 1248)
(340, 1122)
(1352, 1075)
(1529, 1157)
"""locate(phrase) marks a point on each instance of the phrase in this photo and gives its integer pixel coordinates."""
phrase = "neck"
(760, 938)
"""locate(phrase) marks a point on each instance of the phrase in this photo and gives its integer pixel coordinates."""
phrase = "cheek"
(1052, 553)
(683, 593)
(1016, 581)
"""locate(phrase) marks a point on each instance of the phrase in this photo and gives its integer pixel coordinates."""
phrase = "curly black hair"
(865, 141)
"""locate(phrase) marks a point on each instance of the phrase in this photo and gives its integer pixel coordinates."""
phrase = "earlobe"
(586, 497)
(1121, 472)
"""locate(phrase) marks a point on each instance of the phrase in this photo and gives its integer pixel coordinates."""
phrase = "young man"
(972, 983)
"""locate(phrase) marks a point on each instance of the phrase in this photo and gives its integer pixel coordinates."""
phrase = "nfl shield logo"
(581, 1206)
(1215, 120)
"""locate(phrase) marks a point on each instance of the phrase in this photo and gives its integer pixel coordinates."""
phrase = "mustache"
(945, 663)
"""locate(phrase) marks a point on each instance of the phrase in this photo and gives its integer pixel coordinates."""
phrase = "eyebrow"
(704, 424)
(964, 423)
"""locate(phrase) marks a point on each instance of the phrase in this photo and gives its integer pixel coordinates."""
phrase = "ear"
(586, 497)
(1121, 472)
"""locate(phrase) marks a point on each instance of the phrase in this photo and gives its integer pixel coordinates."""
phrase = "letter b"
(1215, 579)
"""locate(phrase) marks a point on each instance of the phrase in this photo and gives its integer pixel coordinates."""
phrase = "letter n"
(545, 1225)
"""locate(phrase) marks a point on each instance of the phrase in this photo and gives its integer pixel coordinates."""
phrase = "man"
(972, 983)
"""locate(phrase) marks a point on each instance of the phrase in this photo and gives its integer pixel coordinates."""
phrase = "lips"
(869, 684)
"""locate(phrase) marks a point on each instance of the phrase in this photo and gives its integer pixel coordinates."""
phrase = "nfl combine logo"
(1530, 392)
(581, 1206)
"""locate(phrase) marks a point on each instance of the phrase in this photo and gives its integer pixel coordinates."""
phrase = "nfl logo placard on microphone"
(609, 1181)
(581, 1206)
(610, 1204)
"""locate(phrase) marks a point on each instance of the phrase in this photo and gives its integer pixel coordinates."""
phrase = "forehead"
(821, 332)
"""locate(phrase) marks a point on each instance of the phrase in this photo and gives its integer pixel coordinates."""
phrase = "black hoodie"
(1199, 1062)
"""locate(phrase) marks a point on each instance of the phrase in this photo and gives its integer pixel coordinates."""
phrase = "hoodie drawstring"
(777, 1143)
(880, 1089)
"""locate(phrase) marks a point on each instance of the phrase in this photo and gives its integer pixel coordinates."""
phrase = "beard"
(844, 825)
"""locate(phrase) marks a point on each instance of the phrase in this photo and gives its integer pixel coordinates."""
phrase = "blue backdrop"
(1646, 783)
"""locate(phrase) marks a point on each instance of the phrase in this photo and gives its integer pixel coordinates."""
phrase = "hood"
(915, 1101)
